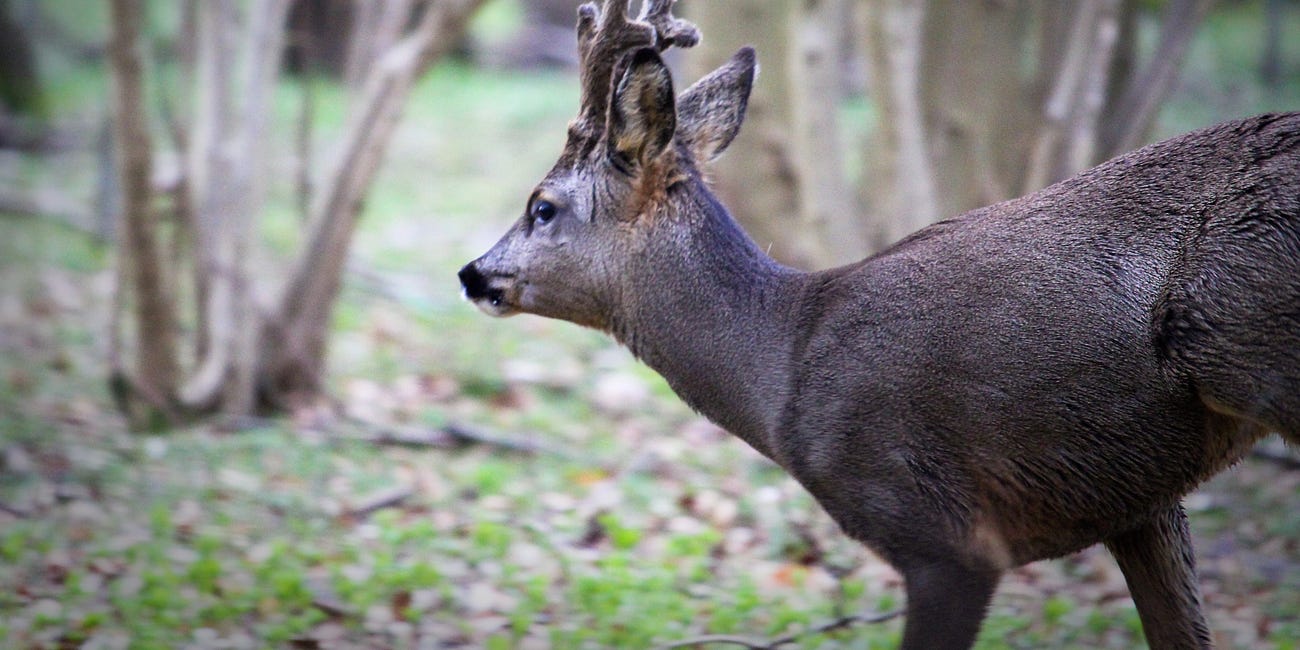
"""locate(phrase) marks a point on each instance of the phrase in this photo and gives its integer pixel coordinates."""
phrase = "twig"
(459, 435)
(324, 599)
(466, 434)
(14, 512)
(381, 500)
(771, 644)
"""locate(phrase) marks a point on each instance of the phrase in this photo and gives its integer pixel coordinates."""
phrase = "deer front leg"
(1158, 563)
(946, 602)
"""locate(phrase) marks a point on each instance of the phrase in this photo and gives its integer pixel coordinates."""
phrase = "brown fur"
(1013, 384)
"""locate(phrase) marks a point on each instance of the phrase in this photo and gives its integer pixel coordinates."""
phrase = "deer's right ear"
(642, 111)
(710, 111)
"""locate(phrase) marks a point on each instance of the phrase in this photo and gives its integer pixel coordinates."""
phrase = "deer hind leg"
(946, 603)
(1158, 563)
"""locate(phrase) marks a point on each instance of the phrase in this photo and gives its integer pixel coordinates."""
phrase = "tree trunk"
(826, 206)
(1066, 141)
(758, 177)
(226, 165)
(974, 100)
(320, 35)
(903, 194)
(156, 368)
(377, 26)
(251, 351)
(972, 124)
(1129, 124)
(294, 347)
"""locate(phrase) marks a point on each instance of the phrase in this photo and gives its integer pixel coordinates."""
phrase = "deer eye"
(543, 211)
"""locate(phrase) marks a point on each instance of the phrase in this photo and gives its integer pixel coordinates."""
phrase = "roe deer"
(1016, 383)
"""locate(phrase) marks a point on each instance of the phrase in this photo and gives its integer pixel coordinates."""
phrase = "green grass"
(647, 527)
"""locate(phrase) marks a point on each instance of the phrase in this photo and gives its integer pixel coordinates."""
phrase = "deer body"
(1013, 384)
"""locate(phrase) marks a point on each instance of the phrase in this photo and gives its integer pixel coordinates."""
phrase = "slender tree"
(260, 337)
(974, 102)
(980, 102)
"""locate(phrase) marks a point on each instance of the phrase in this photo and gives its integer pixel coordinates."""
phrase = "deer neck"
(716, 321)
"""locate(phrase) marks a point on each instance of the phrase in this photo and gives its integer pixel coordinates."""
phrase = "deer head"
(623, 189)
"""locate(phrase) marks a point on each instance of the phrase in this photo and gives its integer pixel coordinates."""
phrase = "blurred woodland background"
(242, 406)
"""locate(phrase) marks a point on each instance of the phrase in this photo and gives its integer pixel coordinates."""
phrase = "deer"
(1013, 384)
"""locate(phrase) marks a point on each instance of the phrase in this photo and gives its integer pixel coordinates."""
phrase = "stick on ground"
(841, 623)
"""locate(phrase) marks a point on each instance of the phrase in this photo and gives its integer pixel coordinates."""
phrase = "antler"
(605, 35)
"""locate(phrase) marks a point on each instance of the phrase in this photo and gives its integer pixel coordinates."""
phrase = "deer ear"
(642, 111)
(711, 110)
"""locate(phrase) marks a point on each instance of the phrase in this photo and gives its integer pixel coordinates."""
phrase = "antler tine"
(672, 31)
(605, 34)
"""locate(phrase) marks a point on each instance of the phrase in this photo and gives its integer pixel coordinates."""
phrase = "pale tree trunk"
(376, 26)
(971, 123)
(826, 206)
(1129, 124)
(253, 349)
(154, 316)
(902, 181)
(757, 177)
(972, 96)
(1066, 141)
(234, 78)
(293, 350)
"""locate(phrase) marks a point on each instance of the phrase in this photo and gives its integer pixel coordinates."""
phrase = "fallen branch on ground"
(1277, 456)
(13, 511)
(771, 644)
(454, 435)
(378, 501)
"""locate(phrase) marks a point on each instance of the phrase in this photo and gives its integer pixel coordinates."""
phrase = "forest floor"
(473, 483)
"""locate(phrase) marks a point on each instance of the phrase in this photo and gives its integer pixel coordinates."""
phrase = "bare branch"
(455, 435)
(295, 344)
(1131, 120)
(380, 500)
(1065, 141)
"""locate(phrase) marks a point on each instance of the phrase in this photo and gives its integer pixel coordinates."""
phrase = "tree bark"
(903, 194)
(156, 368)
(294, 347)
(1129, 125)
(974, 100)
(377, 26)
(226, 167)
(1066, 139)
(992, 126)
(758, 177)
(825, 201)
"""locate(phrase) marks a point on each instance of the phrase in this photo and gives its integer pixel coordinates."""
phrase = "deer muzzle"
(488, 292)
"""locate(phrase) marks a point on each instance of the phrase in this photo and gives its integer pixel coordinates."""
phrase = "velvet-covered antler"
(605, 36)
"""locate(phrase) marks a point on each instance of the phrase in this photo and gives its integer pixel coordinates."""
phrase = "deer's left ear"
(642, 111)
(712, 109)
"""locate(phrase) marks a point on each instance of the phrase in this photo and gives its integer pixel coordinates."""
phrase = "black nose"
(473, 282)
